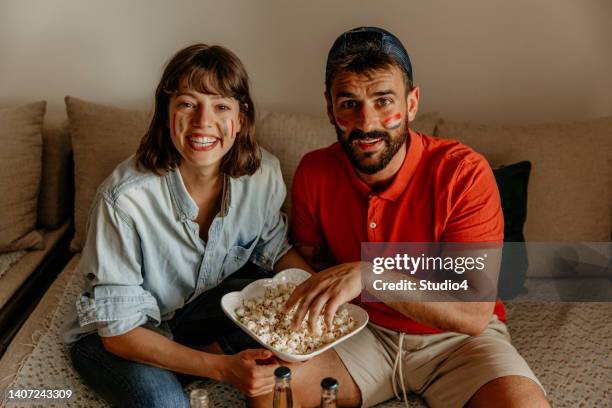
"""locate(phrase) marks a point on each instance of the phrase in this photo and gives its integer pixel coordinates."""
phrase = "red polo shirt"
(443, 192)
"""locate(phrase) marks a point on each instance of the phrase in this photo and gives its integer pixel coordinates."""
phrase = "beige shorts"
(446, 369)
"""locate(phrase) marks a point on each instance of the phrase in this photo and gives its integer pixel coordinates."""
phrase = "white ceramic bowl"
(233, 300)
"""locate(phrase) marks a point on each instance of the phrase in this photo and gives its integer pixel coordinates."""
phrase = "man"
(383, 182)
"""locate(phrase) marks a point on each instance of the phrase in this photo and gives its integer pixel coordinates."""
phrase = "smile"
(368, 144)
(202, 142)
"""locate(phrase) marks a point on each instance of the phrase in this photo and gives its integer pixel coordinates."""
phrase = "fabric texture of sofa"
(36, 185)
(566, 344)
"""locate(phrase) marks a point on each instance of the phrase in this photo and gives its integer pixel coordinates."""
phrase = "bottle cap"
(282, 372)
(198, 397)
(329, 383)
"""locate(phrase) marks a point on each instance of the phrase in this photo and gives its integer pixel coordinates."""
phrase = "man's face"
(371, 113)
(203, 127)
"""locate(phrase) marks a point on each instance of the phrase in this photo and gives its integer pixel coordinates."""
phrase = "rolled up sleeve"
(115, 302)
(273, 242)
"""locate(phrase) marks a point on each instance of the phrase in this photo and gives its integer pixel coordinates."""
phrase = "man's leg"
(510, 391)
(484, 370)
(125, 383)
(306, 382)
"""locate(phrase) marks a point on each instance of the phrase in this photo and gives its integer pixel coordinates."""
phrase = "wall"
(492, 61)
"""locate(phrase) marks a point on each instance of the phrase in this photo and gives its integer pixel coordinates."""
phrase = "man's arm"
(469, 318)
(146, 346)
(327, 290)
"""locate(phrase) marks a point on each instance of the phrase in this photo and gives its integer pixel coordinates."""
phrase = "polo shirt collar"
(186, 208)
(402, 178)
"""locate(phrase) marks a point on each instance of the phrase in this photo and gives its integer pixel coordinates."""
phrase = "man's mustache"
(358, 134)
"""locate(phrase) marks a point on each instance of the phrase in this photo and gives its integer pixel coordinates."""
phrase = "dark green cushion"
(512, 183)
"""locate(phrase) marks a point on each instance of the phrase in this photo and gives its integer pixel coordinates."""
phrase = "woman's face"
(203, 127)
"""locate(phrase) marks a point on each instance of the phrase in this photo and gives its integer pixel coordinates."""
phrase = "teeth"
(203, 140)
(369, 141)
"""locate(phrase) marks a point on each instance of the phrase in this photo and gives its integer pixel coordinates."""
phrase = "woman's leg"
(125, 383)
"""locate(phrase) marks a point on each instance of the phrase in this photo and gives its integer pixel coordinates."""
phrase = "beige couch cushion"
(290, 136)
(102, 137)
(570, 187)
(21, 156)
(57, 185)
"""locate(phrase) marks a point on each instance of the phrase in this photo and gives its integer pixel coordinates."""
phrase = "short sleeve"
(111, 262)
(305, 227)
(475, 213)
(273, 242)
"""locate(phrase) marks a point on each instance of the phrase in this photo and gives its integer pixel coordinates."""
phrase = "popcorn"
(263, 316)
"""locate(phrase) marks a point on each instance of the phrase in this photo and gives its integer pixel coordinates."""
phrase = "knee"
(125, 383)
(513, 390)
(162, 397)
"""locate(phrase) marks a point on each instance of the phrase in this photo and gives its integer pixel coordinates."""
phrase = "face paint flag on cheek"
(342, 124)
(393, 122)
(228, 130)
(177, 126)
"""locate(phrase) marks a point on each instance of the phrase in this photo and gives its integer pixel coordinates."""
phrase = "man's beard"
(391, 147)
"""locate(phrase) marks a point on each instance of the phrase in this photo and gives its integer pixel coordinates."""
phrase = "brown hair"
(364, 62)
(206, 69)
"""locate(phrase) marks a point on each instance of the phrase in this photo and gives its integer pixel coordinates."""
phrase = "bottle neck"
(328, 398)
(282, 394)
(282, 383)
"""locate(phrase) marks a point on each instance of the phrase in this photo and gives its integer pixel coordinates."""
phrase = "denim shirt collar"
(186, 208)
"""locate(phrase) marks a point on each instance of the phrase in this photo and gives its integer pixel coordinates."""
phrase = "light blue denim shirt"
(143, 256)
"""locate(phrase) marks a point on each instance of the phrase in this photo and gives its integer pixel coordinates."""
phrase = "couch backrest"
(570, 186)
(102, 137)
(55, 201)
(570, 192)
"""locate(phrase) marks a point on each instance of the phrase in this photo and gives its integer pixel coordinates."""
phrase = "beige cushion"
(20, 158)
(291, 136)
(570, 187)
(20, 272)
(57, 185)
(102, 137)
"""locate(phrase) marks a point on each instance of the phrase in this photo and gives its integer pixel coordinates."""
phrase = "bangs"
(211, 78)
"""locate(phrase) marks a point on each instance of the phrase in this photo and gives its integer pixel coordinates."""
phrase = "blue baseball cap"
(362, 39)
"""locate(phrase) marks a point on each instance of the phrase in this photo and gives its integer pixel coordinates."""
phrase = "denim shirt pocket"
(235, 259)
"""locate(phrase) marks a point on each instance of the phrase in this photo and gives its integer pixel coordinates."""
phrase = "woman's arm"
(241, 370)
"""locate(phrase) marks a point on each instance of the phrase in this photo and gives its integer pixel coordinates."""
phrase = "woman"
(196, 203)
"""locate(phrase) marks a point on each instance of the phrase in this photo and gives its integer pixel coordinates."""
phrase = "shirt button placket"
(372, 218)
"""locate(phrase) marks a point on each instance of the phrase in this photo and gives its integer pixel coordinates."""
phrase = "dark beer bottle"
(329, 393)
(282, 388)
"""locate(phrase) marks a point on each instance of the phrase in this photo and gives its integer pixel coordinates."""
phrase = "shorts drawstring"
(397, 363)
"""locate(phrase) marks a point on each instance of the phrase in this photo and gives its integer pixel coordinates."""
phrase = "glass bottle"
(198, 398)
(282, 388)
(329, 393)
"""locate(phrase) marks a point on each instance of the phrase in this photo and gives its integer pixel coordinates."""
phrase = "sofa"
(568, 199)
(35, 205)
